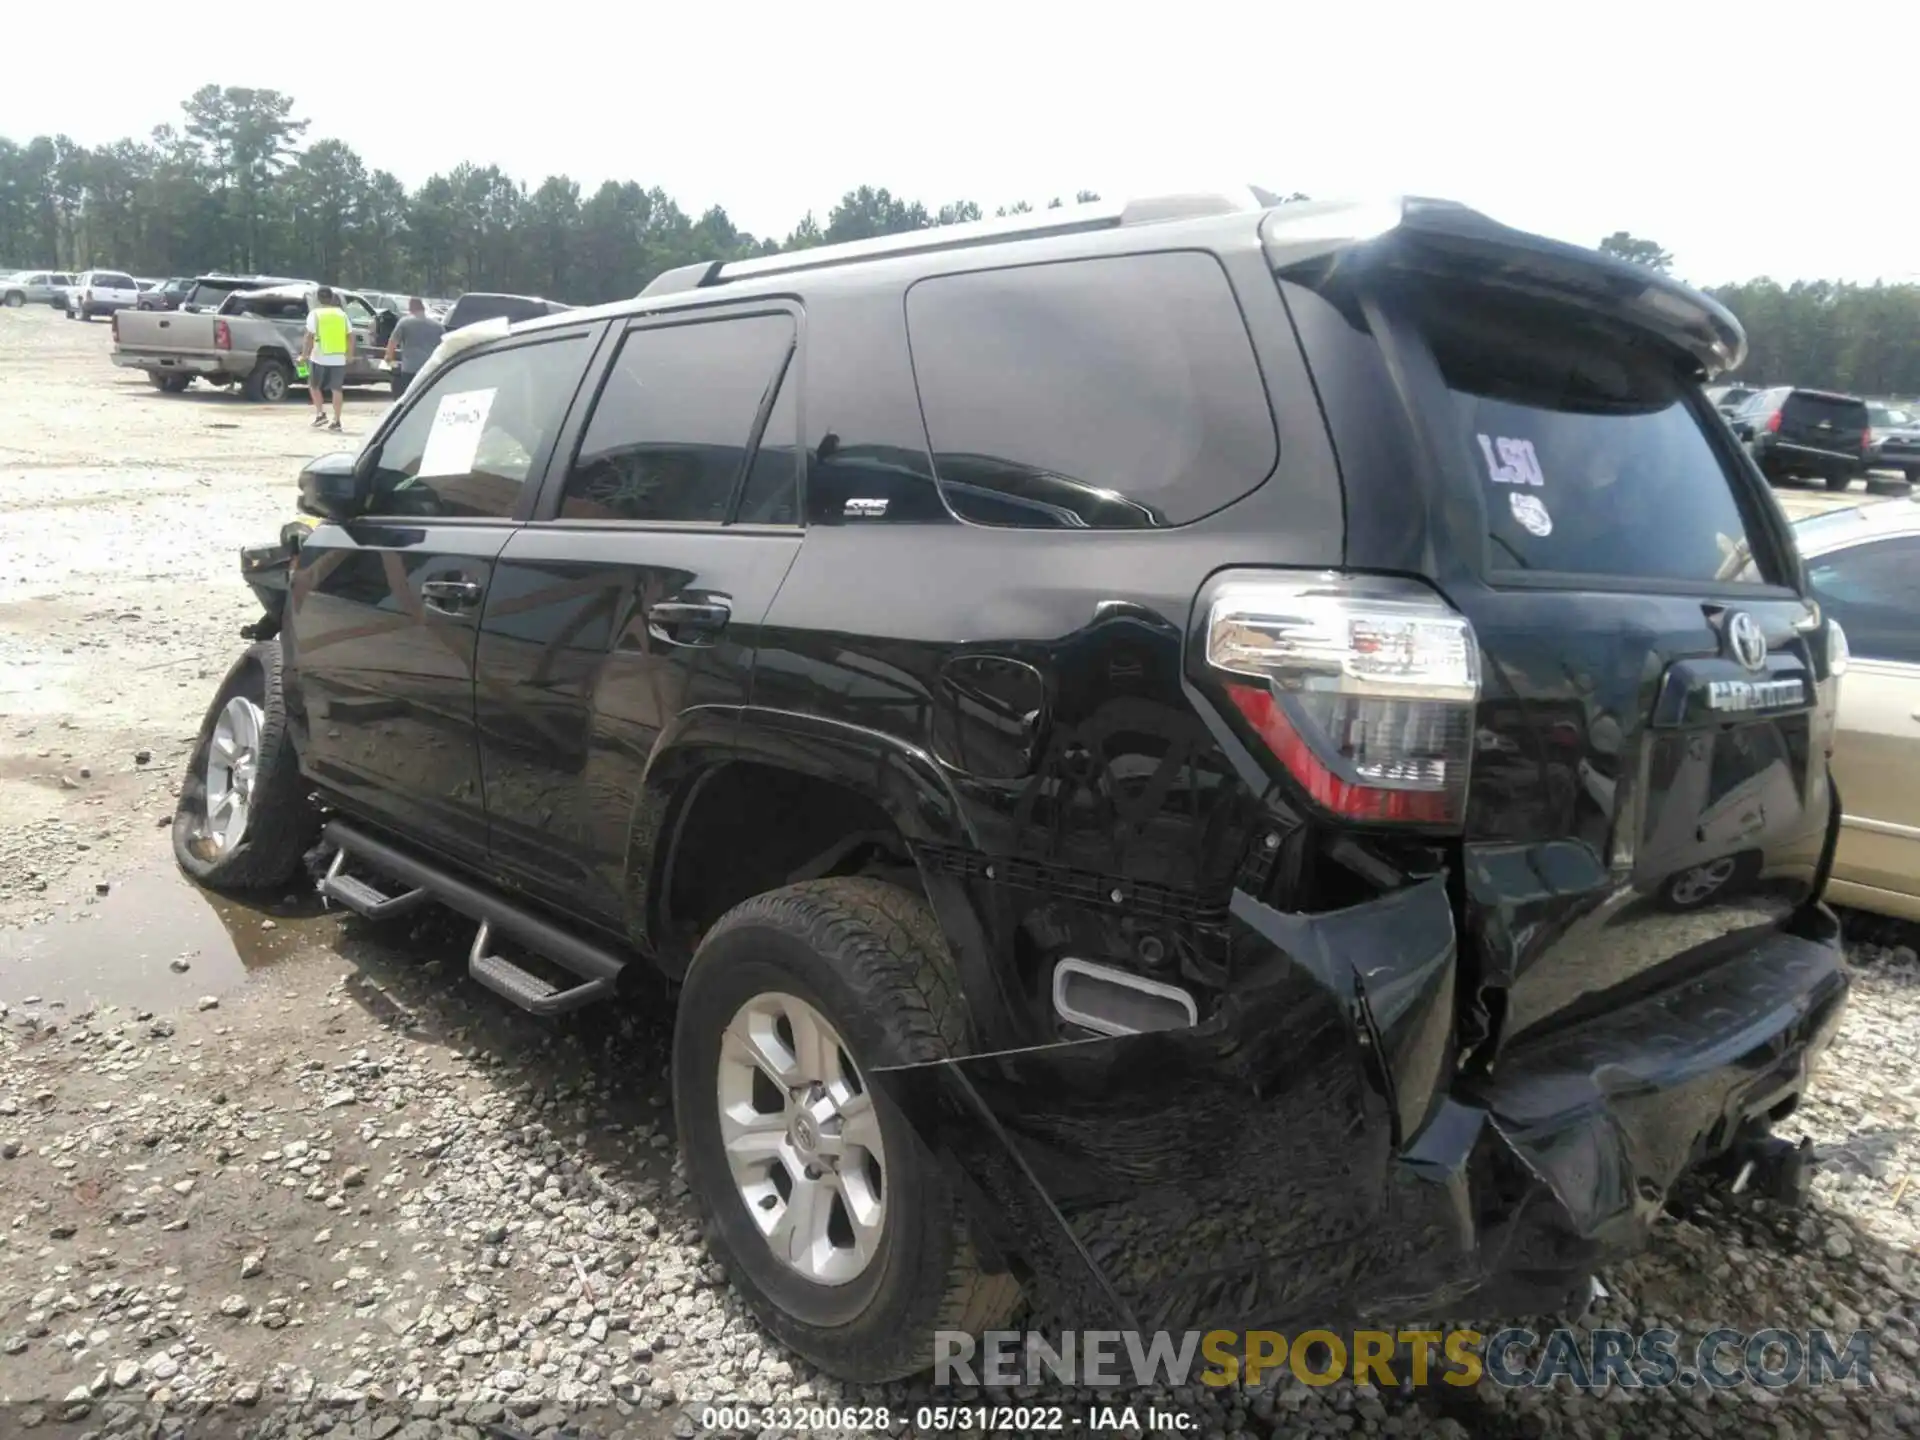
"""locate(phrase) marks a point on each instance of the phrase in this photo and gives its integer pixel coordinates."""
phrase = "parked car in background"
(1863, 566)
(1792, 432)
(101, 292)
(480, 305)
(35, 287)
(1894, 440)
(1728, 399)
(253, 341)
(166, 294)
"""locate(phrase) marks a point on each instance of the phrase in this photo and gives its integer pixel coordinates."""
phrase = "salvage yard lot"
(248, 1156)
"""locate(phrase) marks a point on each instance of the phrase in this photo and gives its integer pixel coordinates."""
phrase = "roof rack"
(1061, 220)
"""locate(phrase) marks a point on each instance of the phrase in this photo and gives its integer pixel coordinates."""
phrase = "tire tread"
(892, 955)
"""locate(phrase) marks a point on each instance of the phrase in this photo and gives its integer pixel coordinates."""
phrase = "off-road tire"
(270, 381)
(283, 823)
(869, 957)
(171, 384)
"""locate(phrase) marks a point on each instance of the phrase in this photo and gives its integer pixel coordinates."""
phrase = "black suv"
(1197, 763)
(1806, 432)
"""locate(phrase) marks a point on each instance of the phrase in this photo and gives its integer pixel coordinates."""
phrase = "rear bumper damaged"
(1307, 1153)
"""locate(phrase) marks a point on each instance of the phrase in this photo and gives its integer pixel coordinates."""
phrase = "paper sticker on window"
(458, 423)
(1511, 461)
(1531, 514)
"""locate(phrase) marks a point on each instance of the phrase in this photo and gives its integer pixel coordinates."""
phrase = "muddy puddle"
(122, 948)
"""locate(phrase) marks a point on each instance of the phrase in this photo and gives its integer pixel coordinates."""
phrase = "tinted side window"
(769, 497)
(1113, 393)
(467, 446)
(1874, 592)
(669, 432)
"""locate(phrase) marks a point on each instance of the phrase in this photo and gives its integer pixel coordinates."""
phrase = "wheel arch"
(782, 797)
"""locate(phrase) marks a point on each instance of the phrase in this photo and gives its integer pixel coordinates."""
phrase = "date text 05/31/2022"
(948, 1419)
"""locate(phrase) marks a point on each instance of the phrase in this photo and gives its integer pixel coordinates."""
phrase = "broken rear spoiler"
(1312, 243)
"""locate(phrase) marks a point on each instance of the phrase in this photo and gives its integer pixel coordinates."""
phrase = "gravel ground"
(270, 1168)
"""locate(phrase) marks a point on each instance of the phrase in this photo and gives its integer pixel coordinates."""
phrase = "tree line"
(235, 185)
(1864, 339)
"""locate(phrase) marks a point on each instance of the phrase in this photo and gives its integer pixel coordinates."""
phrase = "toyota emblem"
(1746, 640)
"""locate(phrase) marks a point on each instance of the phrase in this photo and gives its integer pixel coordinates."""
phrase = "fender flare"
(902, 780)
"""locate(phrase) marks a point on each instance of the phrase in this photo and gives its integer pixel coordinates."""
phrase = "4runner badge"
(864, 509)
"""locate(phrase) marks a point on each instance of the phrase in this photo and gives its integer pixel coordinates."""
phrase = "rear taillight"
(222, 336)
(1866, 439)
(1773, 423)
(114, 323)
(1362, 688)
(1838, 655)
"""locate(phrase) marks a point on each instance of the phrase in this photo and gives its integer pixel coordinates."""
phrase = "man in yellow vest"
(328, 347)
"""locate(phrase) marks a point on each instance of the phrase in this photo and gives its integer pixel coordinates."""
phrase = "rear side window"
(668, 437)
(1583, 445)
(1873, 590)
(1117, 393)
(107, 280)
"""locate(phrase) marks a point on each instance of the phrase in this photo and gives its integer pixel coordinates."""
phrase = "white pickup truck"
(253, 340)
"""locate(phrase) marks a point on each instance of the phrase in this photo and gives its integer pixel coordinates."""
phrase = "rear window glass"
(1805, 407)
(213, 292)
(1584, 447)
(1117, 393)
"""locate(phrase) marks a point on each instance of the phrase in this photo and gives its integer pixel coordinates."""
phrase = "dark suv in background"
(1173, 753)
(1814, 433)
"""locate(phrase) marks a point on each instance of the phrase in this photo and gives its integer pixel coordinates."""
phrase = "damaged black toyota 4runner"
(1195, 763)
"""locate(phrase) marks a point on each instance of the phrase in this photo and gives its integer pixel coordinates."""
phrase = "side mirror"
(331, 488)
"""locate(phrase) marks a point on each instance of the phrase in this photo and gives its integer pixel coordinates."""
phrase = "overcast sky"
(1743, 145)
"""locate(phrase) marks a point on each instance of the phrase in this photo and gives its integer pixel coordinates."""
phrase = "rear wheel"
(834, 1221)
(269, 381)
(244, 821)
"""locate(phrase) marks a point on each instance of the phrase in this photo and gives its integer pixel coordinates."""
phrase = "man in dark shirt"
(412, 341)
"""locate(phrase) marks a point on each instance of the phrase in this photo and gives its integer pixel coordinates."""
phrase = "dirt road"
(255, 1159)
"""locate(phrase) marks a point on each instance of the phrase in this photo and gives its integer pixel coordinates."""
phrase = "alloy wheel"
(233, 767)
(802, 1138)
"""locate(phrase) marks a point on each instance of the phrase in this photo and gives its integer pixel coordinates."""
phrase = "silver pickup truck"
(252, 340)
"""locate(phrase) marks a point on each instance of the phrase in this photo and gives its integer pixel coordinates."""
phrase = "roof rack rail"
(1061, 220)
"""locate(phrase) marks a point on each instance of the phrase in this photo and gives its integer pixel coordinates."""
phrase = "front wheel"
(15, 299)
(833, 1219)
(1839, 482)
(170, 384)
(244, 821)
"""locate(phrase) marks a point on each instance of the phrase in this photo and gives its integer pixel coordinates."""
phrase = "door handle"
(452, 594)
(689, 622)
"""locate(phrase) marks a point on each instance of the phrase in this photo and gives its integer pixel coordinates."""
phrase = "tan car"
(1864, 564)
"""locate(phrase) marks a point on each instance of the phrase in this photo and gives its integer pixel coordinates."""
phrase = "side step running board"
(599, 969)
(361, 898)
(526, 989)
